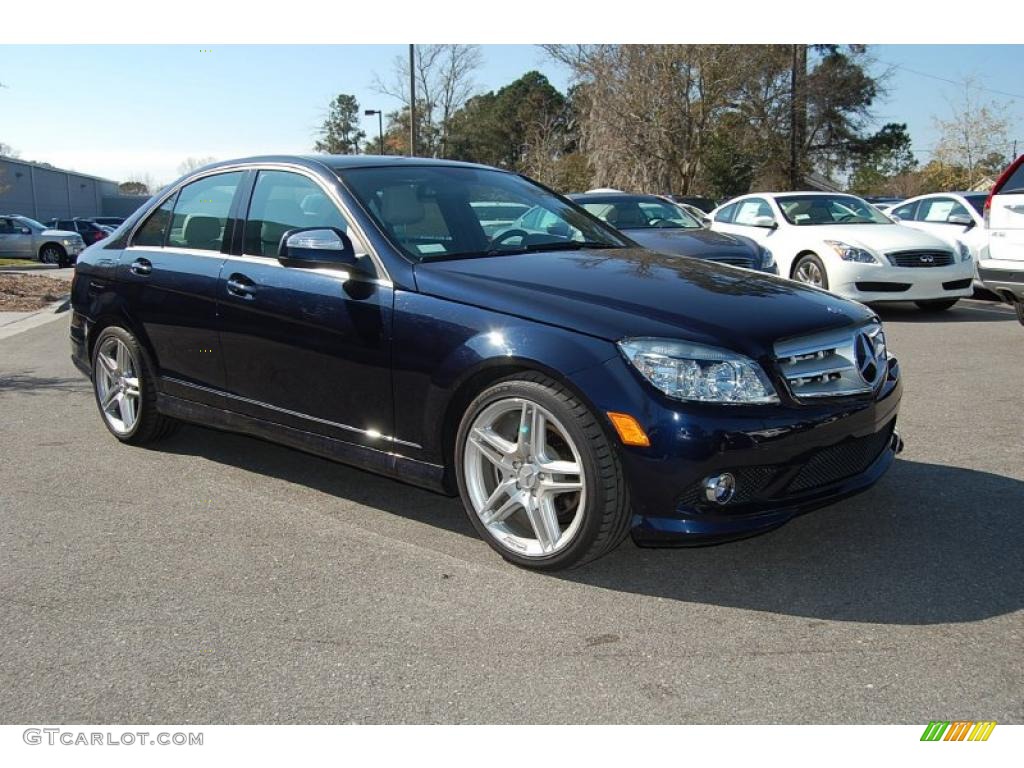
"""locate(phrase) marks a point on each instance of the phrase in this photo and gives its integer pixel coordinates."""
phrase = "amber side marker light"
(630, 432)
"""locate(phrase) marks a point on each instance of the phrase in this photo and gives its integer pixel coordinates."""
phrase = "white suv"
(1002, 268)
(843, 244)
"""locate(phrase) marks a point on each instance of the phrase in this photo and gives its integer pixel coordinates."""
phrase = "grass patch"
(17, 262)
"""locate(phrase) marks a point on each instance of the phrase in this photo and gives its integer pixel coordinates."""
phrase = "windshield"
(443, 212)
(810, 210)
(640, 213)
(30, 223)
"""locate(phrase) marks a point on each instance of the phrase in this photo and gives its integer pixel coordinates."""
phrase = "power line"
(947, 80)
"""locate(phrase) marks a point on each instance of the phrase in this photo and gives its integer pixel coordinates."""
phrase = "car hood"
(58, 233)
(701, 243)
(878, 237)
(613, 294)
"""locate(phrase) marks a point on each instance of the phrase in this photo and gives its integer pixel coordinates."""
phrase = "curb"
(48, 314)
(23, 267)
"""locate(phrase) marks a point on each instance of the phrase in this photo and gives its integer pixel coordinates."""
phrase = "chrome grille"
(847, 361)
(920, 258)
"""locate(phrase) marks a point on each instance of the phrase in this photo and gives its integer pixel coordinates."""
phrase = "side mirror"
(896, 219)
(316, 247)
(26, 231)
(764, 222)
(960, 219)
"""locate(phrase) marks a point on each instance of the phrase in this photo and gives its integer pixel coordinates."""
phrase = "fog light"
(720, 488)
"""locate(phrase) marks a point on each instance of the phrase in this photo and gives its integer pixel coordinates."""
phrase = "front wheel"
(538, 475)
(1019, 307)
(53, 254)
(936, 305)
(809, 269)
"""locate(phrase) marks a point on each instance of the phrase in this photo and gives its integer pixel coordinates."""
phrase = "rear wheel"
(125, 389)
(809, 269)
(538, 475)
(1019, 306)
(936, 305)
(53, 254)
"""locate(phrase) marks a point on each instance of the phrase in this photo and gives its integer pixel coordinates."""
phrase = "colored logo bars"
(958, 730)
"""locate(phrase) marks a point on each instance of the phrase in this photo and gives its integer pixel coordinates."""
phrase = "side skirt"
(418, 473)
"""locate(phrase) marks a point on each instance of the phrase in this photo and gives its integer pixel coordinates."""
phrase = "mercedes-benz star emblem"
(867, 364)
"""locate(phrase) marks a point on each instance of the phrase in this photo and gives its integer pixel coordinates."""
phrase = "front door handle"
(141, 267)
(241, 286)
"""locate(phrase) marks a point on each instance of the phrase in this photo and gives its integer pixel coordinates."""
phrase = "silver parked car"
(25, 238)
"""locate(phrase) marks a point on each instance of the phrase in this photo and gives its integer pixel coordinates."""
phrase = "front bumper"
(872, 283)
(788, 459)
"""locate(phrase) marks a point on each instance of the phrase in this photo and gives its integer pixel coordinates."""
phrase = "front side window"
(153, 232)
(748, 211)
(431, 212)
(200, 216)
(810, 210)
(937, 210)
(282, 201)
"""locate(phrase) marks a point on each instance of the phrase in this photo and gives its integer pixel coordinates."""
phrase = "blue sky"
(117, 111)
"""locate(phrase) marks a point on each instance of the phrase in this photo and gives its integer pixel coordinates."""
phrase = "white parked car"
(956, 217)
(1002, 267)
(843, 244)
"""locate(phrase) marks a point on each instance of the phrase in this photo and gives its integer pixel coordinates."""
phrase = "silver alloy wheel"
(117, 385)
(50, 255)
(525, 477)
(808, 272)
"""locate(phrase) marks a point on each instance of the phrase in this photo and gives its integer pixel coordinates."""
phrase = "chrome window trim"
(385, 276)
(371, 434)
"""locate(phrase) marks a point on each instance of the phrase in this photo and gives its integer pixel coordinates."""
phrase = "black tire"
(1019, 307)
(936, 305)
(150, 425)
(811, 258)
(606, 514)
(51, 253)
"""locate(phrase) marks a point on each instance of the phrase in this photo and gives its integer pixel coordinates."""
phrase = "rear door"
(305, 348)
(13, 242)
(1005, 215)
(170, 271)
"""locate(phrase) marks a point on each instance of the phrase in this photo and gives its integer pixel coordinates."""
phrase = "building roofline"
(43, 166)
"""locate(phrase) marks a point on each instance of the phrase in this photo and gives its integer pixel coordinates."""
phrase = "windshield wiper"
(565, 245)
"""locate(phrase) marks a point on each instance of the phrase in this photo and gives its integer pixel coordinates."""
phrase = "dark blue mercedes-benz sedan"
(569, 385)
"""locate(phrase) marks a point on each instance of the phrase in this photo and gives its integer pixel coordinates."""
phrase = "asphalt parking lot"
(217, 578)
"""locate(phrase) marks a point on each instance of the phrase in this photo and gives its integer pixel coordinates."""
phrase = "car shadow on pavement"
(930, 544)
(30, 385)
(961, 313)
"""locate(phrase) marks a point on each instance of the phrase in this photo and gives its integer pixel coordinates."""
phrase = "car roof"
(345, 162)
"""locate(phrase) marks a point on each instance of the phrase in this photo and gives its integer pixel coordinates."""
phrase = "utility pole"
(412, 101)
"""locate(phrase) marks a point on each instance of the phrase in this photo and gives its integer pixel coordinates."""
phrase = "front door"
(306, 348)
(14, 242)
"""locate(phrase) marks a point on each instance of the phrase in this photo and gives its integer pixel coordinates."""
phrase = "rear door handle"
(141, 267)
(241, 286)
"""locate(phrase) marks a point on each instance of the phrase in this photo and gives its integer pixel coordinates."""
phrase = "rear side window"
(726, 214)
(282, 201)
(6, 227)
(905, 212)
(201, 212)
(153, 233)
(1014, 184)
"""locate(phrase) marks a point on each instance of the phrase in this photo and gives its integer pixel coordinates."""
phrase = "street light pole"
(380, 125)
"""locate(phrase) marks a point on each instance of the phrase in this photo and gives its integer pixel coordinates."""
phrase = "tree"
(133, 188)
(190, 164)
(974, 136)
(6, 150)
(444, 82)
(340, 133)
(882, 161)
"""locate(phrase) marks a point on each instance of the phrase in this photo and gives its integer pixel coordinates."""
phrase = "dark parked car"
(90, 231)
(570, 387)
(664, 227)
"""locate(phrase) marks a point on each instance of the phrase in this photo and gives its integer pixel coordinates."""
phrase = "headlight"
(767, 259)
(965, 252)
(698, 373)
(851, 252)
(66, 242)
